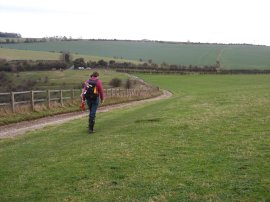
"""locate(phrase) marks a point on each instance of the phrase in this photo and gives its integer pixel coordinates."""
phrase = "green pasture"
(245, 57)
(209, 142)
(14, 54)
(54, 80)
(20, 54)
(230, 56)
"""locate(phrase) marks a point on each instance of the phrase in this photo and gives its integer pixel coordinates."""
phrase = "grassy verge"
(209, 142)
(24, 113)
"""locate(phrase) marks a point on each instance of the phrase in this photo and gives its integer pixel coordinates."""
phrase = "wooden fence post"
(61, 97)
(72, 96)
(49, 99)
(32, 100)
(12, 101)
(111, 92)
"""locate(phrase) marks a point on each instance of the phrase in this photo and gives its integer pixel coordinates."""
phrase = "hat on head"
(95, 74)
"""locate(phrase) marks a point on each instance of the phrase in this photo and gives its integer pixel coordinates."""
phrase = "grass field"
(67, 79)
(14, 54)
(209, 142)
(230, 56)
(17, 54)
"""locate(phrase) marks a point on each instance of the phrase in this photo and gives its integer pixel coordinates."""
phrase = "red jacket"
(99, 88)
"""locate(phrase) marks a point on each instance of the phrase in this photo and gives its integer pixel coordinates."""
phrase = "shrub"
(46, 79)
(3, 77)
(102, 63)
(79, 62)
(115, 82)
(129, 84)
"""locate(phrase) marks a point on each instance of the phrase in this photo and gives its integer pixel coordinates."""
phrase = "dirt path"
(20, 128)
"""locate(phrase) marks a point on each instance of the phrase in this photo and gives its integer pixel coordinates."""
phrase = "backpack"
(91, 90)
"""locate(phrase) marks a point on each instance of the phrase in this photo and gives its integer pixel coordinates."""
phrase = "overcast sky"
(213, 21)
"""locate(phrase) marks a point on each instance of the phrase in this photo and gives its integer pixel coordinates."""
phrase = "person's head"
(95, 74)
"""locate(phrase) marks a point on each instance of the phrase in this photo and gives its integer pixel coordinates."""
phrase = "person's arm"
(83, 90)
(100, 91)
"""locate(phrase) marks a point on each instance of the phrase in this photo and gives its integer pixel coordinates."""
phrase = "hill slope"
(230, 56)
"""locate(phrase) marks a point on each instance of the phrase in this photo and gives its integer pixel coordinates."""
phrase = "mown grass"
(209, 142)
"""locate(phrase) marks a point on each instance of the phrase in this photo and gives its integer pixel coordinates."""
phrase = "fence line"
(48, 96)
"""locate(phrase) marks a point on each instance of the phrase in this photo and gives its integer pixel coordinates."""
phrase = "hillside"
(230, 56)
(20, 54)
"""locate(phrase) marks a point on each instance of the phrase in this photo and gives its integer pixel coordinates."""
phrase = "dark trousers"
(92, 105)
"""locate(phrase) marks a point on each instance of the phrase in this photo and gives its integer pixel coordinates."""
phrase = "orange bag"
(82, 106)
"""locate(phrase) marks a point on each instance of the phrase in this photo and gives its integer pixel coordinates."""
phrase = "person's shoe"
(91, 125)
(91, 131)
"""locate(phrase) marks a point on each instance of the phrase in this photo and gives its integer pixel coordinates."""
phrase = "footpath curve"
(13, 130)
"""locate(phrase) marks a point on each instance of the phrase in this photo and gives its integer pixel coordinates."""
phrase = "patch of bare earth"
(12, 130)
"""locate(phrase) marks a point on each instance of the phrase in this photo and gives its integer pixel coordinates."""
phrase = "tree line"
(8, 40)
(150, 66)
(147, 67)
(10, 35)
(28, 65)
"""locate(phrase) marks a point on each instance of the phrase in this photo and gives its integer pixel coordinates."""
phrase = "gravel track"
(13, 130)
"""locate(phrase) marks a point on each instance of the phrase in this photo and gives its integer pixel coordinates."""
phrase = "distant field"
(14, 54)
(20, 54)
(230, 56)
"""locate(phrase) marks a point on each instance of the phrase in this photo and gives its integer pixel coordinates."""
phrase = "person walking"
(93, 94)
